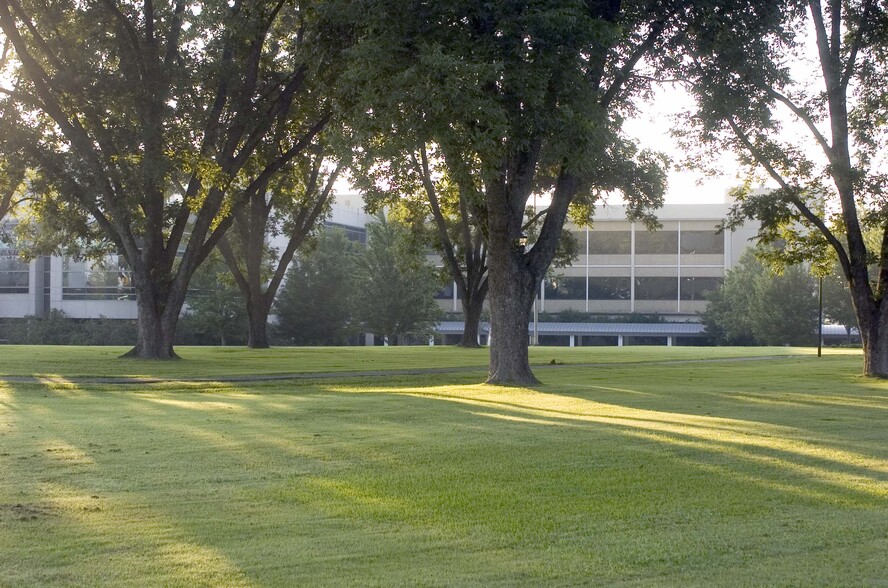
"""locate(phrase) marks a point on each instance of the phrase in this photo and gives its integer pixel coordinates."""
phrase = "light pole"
(820, 318)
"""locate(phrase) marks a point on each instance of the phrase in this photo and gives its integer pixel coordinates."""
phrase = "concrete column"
(573, 340)
(668, 341)
(369, 339)
(619, 340)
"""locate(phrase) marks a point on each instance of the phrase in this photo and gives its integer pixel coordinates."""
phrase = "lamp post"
(820, 318)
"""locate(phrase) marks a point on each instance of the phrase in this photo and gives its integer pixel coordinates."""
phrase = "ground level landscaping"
(646, 466)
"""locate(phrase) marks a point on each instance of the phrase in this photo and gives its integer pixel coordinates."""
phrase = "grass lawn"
(209, 362)
(770, 472)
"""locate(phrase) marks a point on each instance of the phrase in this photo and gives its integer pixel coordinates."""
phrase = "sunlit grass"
(771, 472)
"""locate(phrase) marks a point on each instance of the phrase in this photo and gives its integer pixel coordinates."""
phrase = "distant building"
(623, 268)
(92, 289)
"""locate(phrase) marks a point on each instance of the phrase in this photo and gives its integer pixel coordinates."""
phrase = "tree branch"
(130, 32)
(805, 118)
(793, 198)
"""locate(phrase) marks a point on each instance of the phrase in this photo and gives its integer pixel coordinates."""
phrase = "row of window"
(620, 288)
(13, 273)
(653, 243)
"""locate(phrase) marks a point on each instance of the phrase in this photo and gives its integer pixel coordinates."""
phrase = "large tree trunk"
(874, 338)
(472, 326)
(512, 290)
(158, 316)
(258, 317)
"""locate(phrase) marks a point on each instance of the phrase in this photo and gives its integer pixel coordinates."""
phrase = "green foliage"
(397, 285)
(57, 328)
(315, 304)
(147, 125)
(215, 307)
(755, 307)
(797, 91)
(838, 306)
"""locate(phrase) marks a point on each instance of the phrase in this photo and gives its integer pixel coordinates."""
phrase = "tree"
(142, 122)
(214, 303)
(819, 136)
(420, 189)
(291, 204)
(315, 303)
(530, 96)
(753, 306)
(396, 284)
(12, 171)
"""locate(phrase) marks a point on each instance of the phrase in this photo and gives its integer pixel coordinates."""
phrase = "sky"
(652, 128)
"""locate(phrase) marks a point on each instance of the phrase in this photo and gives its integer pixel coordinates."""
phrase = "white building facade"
(622, 268)
(91, 289)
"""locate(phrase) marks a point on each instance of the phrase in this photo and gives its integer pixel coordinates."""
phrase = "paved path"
(359, 374)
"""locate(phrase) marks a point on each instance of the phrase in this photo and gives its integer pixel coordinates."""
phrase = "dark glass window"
(566, 289)
(108, 279)
(609, 288)
(696, 288)
(355, 234)
(702, 242)
(656, 243)
(609, 242)
(656, 288)
(445, 293)
(13, 273)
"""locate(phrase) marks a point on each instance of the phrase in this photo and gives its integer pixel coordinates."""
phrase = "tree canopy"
(816, 133)
(315, 304)
(397, 285)
(520, 98)
(143, 122)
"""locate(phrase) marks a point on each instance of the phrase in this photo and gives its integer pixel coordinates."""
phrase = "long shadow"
(311, 445)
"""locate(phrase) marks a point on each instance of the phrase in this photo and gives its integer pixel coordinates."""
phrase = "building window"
(354, 234)
(609, 288)
(696, 288)
(656, 288)
(445, 293)
(702, 243)
(14, 273)
(609, 242)
(566, 289)
(108, 279)
(656, 243)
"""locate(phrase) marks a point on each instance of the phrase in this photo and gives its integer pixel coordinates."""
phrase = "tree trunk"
(874, 338)
(512, 289)
(472, 314)
(258, 316)
(156, 329)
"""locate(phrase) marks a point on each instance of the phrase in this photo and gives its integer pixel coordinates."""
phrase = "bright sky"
(652, 129)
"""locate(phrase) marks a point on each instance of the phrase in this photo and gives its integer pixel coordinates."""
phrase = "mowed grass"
(769, 472)
(221, 362)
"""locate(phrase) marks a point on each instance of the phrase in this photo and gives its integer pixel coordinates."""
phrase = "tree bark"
(258, 316)
(157, 319)
(472, 313)
(873, 322)
(875, 352)
(511, 299)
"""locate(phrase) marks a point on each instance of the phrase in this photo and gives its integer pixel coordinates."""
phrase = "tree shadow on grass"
(253, 483)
